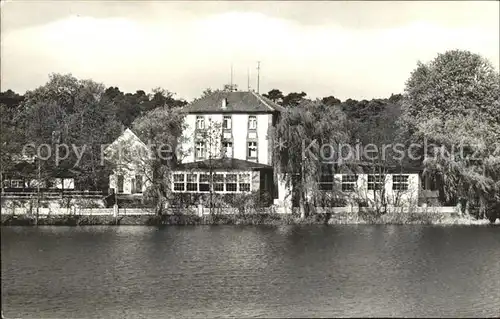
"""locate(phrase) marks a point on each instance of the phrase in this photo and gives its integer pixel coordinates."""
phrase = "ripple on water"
(287, 271)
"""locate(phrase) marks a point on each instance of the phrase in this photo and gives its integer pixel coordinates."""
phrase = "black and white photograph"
(249, 159)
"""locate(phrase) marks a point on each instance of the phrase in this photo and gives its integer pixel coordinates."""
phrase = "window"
(218, 182)
(326, 182)
(200, 150)
(376, 182)
(200, 123)
(138, 183)
(400, 182)
(164, 153)
(252, 150)
(17, 183)
(226, 123)
(6, 183)
(179, 180)
(132, 185)
(252, 122)
(231, 185)
(349, 183)
(428, 183)
(244, 182)
(120, 184)
(227, 149)
(204, 183)
(192, 183)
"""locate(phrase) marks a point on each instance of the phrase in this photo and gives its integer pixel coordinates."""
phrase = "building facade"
(371, 189)
(230, 124)
(232, 131)
(362, 183)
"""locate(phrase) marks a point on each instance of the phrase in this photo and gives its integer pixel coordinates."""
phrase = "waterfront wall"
(201, 210)
(271, 219)
(76, 211)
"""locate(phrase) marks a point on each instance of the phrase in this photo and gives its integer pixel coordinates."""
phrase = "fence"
(200, 210)
(76, 211)
(402, 209)
(51, 194)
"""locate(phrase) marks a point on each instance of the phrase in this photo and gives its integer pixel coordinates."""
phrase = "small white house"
(393, 189)
(394, 186)
(128, 155)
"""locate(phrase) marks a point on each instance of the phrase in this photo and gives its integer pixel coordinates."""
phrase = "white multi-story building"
(242, 119)
(230, 133)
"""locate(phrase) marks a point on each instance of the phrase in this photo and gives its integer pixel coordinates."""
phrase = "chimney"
(224, 103)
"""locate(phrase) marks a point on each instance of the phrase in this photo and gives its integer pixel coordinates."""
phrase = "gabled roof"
(222, 164)
(126, 137)
(237, 102)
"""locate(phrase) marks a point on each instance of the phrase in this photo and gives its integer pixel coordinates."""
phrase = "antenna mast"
(248, 79)
(231, 77)
(258, 76)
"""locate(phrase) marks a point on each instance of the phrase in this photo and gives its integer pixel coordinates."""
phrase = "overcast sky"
(346, 49)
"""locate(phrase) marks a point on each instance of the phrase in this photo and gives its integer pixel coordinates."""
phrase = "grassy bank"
(244, 219)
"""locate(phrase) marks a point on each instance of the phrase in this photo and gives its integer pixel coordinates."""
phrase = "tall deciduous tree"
(453, 103)
(212, 137)
(130, 106)
(73, 112)
(10, 138)
(330, 100)
(293, 99)
(163, 98)
(275, 95)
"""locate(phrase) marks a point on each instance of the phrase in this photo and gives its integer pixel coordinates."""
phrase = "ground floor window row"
(13, 183)
(67, 183)
(222, 182)
(375, 182)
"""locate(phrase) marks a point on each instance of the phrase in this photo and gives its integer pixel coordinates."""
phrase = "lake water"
(231, 271)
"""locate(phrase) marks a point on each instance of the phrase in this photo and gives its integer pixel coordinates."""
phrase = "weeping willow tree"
(451, 109)
(466, 156)
(307, 132)
(163, 129)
